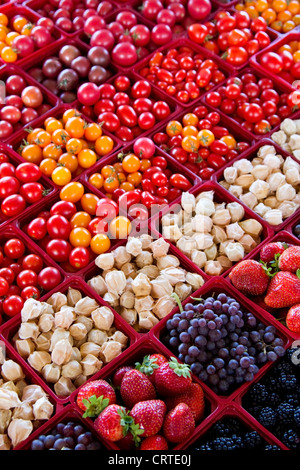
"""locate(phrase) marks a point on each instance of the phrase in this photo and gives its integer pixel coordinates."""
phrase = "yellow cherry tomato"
(120, 227)
(100, 243)
(80, 219)
(96, 180)
(89, 203)
(69, 161)
(205, 137)
(87, 158)
(72, 192)
(104, 145)
(131, 163)
(61, 176)
(80, 236)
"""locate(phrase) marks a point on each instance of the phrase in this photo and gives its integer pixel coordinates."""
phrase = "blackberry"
(221, 429)
(267, 417)
(297, 417)
(271, 447)
(273, 384)
(285, 413)
(238, 442)
(255, 410)
(283, 366)
(259, 394)
(274, 399)
(234, 425)
(223, 443)
(293, 399)
(252, 440)
(205, 446)
(287, 381)
(291, 439)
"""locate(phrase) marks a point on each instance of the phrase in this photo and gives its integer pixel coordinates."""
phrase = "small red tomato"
(13, 305)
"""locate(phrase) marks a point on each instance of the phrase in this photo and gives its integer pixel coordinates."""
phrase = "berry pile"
(231, 434)
(275, 277)
(200, 141)
(150, 405)
(182, 73)
(224, 345)
(274, 400)
(70, 435)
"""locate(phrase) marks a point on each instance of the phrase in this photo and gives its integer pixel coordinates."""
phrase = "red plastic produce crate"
(281, 88)
(19, 138)
(250, 154)
(214, 287)
(33, 66)
(135, 354)
(185, 42)
(173, 165)
(220, 196)
(278, 314)
(155, 96)
(10, 329)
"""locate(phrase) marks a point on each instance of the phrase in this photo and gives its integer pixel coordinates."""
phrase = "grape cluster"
(224, 345)
(67, 436)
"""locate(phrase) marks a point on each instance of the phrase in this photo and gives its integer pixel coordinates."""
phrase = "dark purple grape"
(196, 368)
(174, 332)
(200, 341)
(183, 348)
(194, 322)
(192, 331)
(233, 364)
(174, 342)
(201, 323)
(210, 345)
(49, 441)
(203, 375)
(37, 444)
(189, 359)
(78, 429)
(213, 379)
(68, 430)
(269, 337)
(69, 441)
(193, 351)
(189, 306)
(183, 324)
(169, 325)
(80, 447)
(59, 444)
(184, 337)
(279, 350)
(208, 314)
(190, 314)
(223, 353)
(271, 355)
(222, 297)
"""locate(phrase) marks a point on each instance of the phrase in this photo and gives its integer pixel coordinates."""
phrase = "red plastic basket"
(184, 41)
(16, 140)
(277, 314)
(10, 329)
(31, 379)
(221, 195)
(278, 86)
(220, 285)
(135, 354)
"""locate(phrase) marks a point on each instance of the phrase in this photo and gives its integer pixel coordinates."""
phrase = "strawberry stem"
(182, 370)
(94, 405)
(147, 366)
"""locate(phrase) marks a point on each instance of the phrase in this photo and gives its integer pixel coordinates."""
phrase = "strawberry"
(94, 396)
(290, 259)
(154, 443)
(127, 442)
(149, 415)
(114, 423)
(150, 364)
(293, 318)
(250, 277)
(270, 250)
(172, 378)
(193, 397)
(119, 374)
(283, 290)
(179, 424)
(136, 387)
